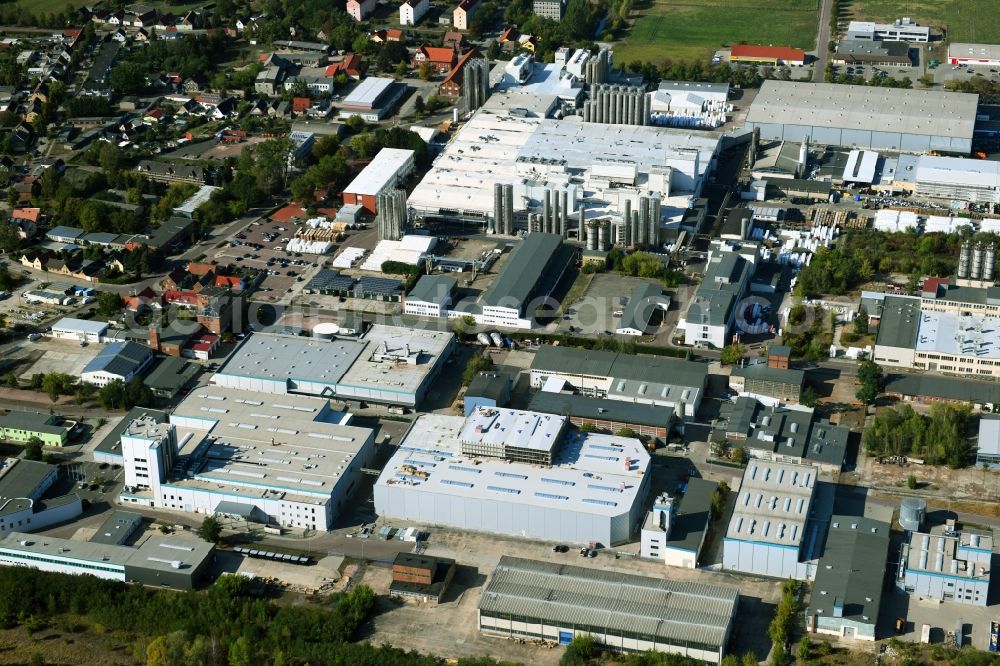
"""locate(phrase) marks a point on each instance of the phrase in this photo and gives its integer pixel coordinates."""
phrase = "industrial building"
(865, 52)
(644, 420)
(489, 473)
(24, 426)
(118, 361)
(861, 167)
(109, 449)
(947, 564)
(273, 459)
(431, 296)
(622, 612)
(715, 310)
(79, 330)
(387, 170)
(373, 99)
(24, 504)
(957, 179)
(901, 30)
(650, 380)
(791, 434)
(175, 562)
(988, 449)
(766, 384)
(170, 377)
(927, 388)
(550, 9)
(422, 577)
(865, 117)
(676, 534)
(118, 528)
(646, 300)
(689, 98)
(770, 533)
(593, 181)
(847, 593)
(974, 55)
(387, 364)
(532, 271)
(767, 55)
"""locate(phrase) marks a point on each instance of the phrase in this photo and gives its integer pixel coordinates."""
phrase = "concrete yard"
(593, 312)
(56, 356)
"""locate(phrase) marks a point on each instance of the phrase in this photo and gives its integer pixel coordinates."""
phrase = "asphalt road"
(822, 40)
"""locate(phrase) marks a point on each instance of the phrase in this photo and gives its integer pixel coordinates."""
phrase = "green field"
(976, 21)
(692, 30)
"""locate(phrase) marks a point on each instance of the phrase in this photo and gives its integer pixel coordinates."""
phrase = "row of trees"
(643, 265)
(114, 395)
(940, 438)
(785, 618)
(809, 332)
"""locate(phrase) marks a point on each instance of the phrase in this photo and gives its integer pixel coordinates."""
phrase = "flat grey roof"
(773, 503)
(671, 611)
(594, 363)
(571, 404)
(368, 92)
(852, 570)
(432, 288)
(951, 388)
(691, 517)
(899, 322)
(989, 435)
(645, 299)
(117, 527)
(82, 325)
(159, 553)
(282, 357)
(764, 372)
(525, 267)
(171, 374)
(896, 110)
(111, 444)
(20, 478)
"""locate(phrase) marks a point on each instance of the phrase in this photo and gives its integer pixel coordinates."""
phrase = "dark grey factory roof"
(852, 569)
(788, 431)
(570, 404)
(118, 358)
(779, 350)
(714, 300)
(526, 267)
(827, 443)
(692, 514)
(488, 384)
(432, 288)
(566, 595)
(111, 444)
(65, 232)
(117, 527)
(950, 388)
(32, 421)
(899, 323)
(171, 374)
(569, 360)
(645, 299)
(766, 373)
(329, 280)
(23, 478)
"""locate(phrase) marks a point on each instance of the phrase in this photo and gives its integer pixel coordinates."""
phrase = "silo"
(498, 211)
(592, 236)
(912, 512)
(602, 236)
(325, 331)
(564, 214)
(509, 206)
(977, 262)
(546, 211)
(654, 221)
(646, 109)
(989, 268)
(579, 223)
(628, 212)
(556, 215)
(605, 107)
(964, 259)
(634, 230)
(643, 221)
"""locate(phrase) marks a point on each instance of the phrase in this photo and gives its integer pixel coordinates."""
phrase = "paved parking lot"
(54, 356)
(594, 312)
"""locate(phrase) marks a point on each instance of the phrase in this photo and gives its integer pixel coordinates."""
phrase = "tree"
(580, 650)
(872, 380)
(239, 652)
(720, 496)
(627, 432)
(10, 380)
(733, 354)
(109, 304)
(861, 321)
(739, 455)
(425, 71)
(10, 241)
(418, 105)
(128, 78)
(911, 482)
(477, 364)
(167, 650)
(809, 397)
(33, 449)
(210, 530)
(802, 654)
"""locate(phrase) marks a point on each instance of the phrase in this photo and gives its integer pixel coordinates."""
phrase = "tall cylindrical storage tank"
(912, 512)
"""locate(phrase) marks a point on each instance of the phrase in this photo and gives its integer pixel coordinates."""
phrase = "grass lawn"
(965, 20)
(667, 30)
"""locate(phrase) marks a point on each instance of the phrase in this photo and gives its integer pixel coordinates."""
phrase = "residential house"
(452, 84)
(359, 10)
(35, 259)
(462, 16)
(439, 58)
(411, 11)
(453, 40)
(388, 35)
(300, 104)
(350, 66)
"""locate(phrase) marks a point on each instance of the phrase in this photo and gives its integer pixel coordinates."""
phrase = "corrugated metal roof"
(525, 268)
(671, 611)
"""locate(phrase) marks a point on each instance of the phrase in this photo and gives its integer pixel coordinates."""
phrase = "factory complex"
(386, 364)
(516, 473)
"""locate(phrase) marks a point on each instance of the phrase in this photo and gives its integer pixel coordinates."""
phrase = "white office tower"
(149, 450)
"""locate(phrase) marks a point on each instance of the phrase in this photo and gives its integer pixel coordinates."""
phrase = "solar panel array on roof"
(377, 286)
(327, 280)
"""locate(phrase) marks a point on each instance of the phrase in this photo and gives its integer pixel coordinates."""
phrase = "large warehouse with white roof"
(388, 364)
(490, 474)
(865, 117)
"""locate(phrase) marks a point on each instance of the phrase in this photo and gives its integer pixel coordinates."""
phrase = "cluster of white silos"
(977, 261)
(617, 105)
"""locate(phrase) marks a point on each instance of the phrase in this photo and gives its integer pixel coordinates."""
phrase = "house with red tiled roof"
(230, 282)
(351, 66)
(453, 40)
(387, 35)
(289, 212)
(29, 214)
(201, 346)
(439, 58)
(452, 84)
(184, 299)
(301, 104)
